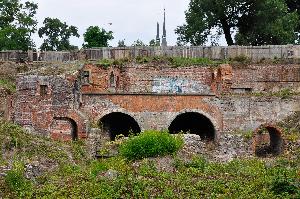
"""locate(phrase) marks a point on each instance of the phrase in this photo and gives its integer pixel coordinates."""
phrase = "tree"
(152, 42)
(256, 21)
(205, 16)
(294, 6)
(57, 35)
(121, 43)
(17, 24)
(97, 37)
(269, 22)
(138, 43)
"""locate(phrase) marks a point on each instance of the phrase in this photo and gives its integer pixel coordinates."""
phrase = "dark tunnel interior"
(194, 123)
(273, 147)
(119, 123)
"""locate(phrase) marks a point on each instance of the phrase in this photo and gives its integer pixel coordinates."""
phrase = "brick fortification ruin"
(102, 102)
(208, 101)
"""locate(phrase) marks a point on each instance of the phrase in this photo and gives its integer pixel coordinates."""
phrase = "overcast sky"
(130, 19)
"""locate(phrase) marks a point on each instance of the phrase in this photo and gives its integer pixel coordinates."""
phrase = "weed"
(16, 181)
(8, 85)
(282, 184)
(150, 144)
(197, 162)
(284, 93)
(143, 59)
(199, 178)
(78, 150)
(183, 62)
(241, 59)
(96, 167)
(105, 63)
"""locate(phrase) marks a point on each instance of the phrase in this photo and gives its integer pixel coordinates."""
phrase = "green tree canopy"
(138, 43)
(294, 6)
(97, 37)
(152, 42)
(17, 24)
(57, 35)
(267, 22)
(121, 43)
(256, 21)
(204, 16)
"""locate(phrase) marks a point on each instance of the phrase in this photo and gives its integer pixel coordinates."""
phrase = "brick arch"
(216, 122)
(116, 123)
(64, 128)
(106, 112)
(76, 117)
(267, 140)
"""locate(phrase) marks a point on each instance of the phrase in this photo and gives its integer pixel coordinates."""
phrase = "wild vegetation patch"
(8, 85)
(77, 176)
(150, 144)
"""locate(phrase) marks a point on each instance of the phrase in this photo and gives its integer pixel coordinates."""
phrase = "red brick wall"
(154, 96)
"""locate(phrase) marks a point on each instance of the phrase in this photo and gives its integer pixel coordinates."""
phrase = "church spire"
(157, 36)
(164, 36)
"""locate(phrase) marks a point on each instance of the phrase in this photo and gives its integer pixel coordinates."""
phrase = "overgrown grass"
(164, 60)
(8, 85)
(20, 145)
(16, 181)
(180, 62)
(239, 61)
(283, 93)
(150, 144)
(196, 179)
(119, 178)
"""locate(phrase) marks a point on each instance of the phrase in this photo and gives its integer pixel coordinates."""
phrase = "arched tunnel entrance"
(119, 123)
(194, 123)
(268, 141)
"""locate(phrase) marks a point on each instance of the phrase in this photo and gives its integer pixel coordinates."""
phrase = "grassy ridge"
(162, 60)
(71, 174)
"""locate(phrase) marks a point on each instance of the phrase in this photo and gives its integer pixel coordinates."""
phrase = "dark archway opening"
(268, 142)
(194, 123)
(119, 123)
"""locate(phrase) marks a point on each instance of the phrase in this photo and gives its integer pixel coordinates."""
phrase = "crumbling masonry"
(207, 101)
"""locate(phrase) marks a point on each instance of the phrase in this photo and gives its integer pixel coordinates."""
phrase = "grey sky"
(131, 19)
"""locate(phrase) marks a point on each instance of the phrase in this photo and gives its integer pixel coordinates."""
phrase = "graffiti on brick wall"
(178, 86)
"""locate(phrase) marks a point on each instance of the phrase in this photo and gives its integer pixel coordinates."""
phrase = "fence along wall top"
(212, 52)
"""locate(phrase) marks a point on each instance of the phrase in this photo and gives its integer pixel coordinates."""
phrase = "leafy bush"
(243, 59)
(143, 59)
(177, 61)
(105, 63)
(16, 181)
(150, 144)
